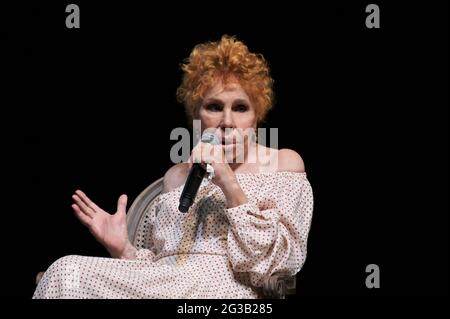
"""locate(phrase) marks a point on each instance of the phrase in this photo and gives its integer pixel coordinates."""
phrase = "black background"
(367, 109)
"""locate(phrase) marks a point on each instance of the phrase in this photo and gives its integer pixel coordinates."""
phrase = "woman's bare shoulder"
(289, 160)
(175, 176)
(275, 160)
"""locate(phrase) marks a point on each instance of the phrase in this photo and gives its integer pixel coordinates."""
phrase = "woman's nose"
(227, 119)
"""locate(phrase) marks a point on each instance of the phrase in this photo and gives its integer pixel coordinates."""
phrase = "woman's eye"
(213, 107)
(241, 108)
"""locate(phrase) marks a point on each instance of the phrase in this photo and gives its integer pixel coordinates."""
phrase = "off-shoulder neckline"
(300, 174)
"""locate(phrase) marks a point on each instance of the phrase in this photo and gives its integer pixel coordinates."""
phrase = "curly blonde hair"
(227, 60)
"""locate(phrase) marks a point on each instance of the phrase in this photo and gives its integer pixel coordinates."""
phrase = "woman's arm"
(270, 235)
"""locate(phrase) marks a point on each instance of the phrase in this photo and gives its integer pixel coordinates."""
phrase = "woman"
(249, 222)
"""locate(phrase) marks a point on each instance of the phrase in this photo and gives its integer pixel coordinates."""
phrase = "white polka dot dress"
(208, 252)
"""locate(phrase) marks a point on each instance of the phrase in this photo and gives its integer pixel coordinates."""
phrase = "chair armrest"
(39, 277)
(278, 286)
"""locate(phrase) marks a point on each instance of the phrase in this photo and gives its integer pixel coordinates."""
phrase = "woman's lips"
(230, 146)
(231, 140)
(227, 142)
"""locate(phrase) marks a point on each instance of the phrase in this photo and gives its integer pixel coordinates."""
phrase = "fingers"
(122, 204)
(218, 154)
(202, 153)
(86, 200)
(83, 207)
(85, 219)
(195, 154)
(206, 153)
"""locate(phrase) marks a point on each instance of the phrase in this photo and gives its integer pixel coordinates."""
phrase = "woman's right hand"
(110, 230)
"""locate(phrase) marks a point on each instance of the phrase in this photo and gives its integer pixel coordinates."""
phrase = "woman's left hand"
(207, 153)
(224, 177)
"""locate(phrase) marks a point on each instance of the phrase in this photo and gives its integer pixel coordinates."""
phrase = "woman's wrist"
(234, 194)
(129, 252)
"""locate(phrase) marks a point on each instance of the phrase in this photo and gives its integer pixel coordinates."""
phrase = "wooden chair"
(275, 287)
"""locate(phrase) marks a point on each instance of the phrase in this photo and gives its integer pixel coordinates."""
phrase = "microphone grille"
(211, 138)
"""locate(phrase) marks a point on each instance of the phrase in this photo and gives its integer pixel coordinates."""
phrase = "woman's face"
(229, 112)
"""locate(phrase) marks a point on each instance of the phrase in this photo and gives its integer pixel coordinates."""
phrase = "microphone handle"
(191, 187)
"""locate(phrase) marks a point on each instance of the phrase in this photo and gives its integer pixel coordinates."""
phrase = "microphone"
(195, 177)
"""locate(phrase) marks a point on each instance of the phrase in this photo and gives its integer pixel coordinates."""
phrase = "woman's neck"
(256, 156)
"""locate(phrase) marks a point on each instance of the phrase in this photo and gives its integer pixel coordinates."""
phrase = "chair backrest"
(136, 212)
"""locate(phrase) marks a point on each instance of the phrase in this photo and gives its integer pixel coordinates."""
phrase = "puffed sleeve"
(144, 242)
(269, 234)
